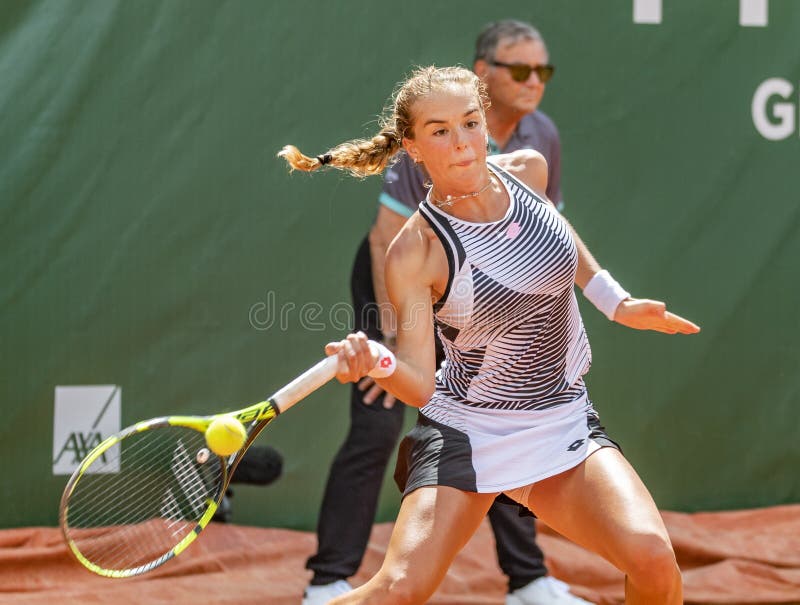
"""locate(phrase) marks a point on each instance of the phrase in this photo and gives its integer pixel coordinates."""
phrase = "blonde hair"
(364, 157)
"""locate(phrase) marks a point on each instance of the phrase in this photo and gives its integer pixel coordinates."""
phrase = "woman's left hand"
(644, 314)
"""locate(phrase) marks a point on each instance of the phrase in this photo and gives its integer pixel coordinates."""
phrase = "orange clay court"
(231, 564)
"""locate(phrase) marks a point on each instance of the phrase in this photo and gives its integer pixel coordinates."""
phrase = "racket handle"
(316, 376)
(305, 384)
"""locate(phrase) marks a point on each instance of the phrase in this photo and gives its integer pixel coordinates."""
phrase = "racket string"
(101, 509)
(142, 497)
(173, 512)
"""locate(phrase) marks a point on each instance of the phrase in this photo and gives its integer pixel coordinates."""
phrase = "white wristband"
(605, 293)
(387, 363)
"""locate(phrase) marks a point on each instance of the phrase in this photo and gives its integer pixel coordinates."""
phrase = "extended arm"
(603, 291)
(610, 298)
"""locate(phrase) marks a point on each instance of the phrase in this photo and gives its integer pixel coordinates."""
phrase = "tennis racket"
(144, 494)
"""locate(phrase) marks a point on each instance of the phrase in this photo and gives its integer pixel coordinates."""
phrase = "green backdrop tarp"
(151, 240)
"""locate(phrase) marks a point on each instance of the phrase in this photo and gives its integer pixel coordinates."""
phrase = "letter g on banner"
(781, 123)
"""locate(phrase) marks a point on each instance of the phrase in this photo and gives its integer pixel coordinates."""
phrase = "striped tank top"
(508, 320)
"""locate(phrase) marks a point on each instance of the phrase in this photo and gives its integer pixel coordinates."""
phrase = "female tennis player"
(491, 264)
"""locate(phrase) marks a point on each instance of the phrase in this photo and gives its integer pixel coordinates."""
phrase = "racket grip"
(313, 378)
(387, 362)
(305, 384)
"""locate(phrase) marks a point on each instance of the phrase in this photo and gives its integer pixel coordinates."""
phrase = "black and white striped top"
(508, 320)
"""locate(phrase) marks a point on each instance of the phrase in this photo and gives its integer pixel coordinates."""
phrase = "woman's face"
(450, 139)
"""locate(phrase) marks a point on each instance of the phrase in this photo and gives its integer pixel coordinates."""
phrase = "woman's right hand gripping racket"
(143, 495)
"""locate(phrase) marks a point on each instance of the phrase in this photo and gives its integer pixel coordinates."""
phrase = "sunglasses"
(520, 72)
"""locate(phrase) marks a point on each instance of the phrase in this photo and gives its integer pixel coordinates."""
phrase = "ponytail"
(360, 157)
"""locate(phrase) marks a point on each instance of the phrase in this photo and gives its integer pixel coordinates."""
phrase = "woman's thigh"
(602, 505)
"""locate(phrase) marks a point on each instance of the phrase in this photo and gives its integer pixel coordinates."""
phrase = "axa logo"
(83, 417)
(77, 445)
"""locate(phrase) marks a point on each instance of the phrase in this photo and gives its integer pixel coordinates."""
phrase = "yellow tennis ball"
(225, 435)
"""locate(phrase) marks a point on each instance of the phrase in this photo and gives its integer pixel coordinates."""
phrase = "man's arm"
(387, 225)
(553, 158)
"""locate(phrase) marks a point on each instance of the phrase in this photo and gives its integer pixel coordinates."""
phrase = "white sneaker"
(320, 595)
(544, 591)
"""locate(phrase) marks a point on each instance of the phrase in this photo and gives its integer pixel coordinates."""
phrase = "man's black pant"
(356, 474)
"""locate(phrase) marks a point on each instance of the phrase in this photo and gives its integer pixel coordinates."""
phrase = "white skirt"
(493, 450)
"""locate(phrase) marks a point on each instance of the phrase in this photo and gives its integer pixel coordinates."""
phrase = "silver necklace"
(450, 199)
